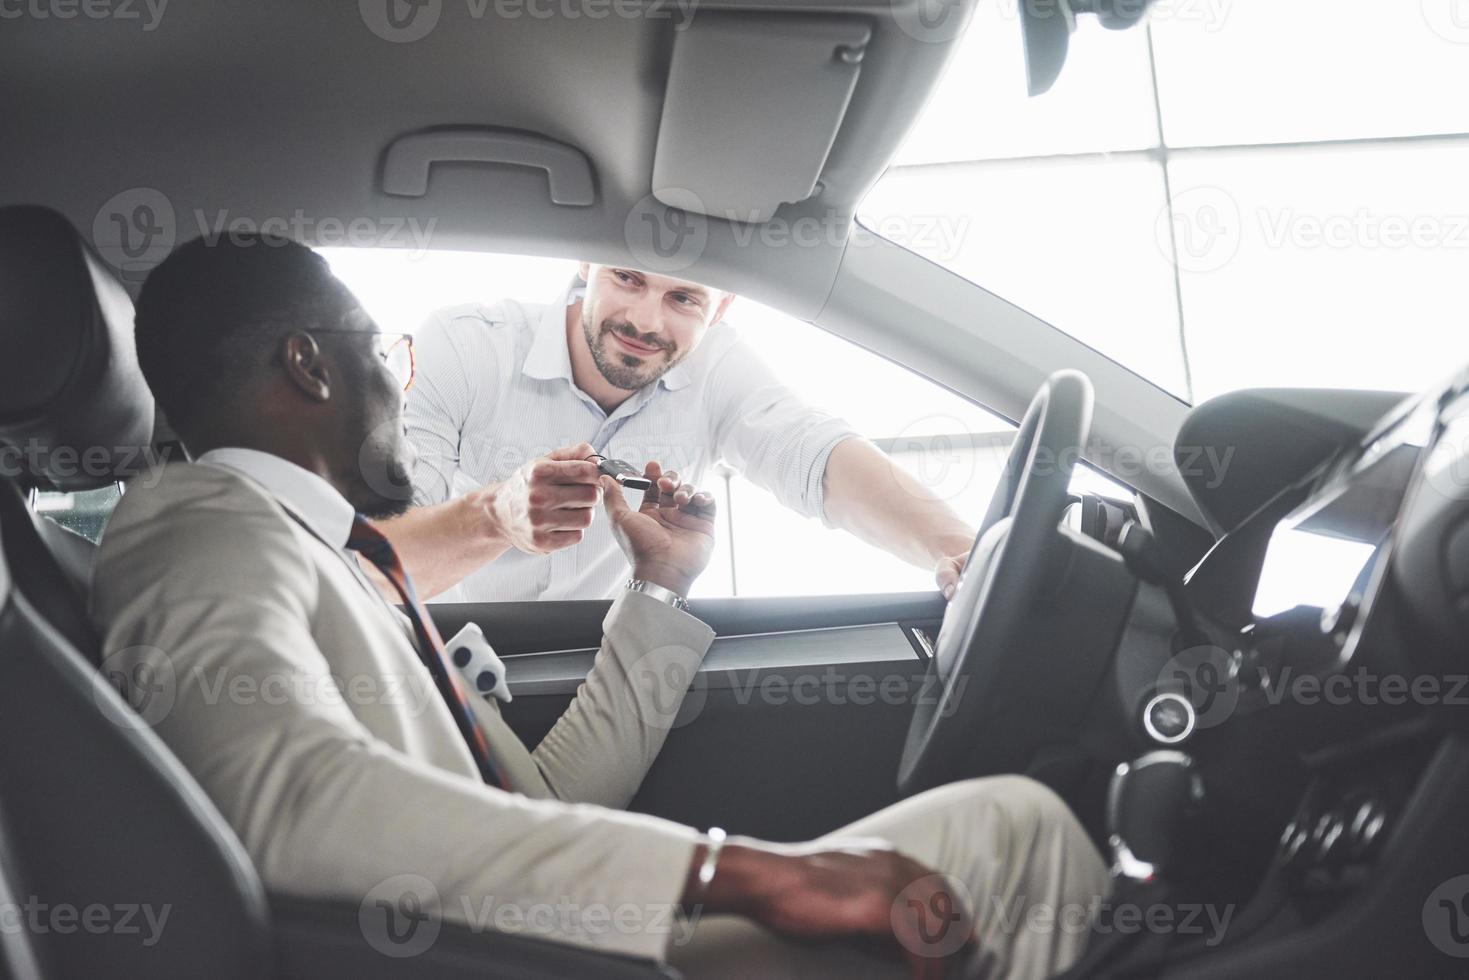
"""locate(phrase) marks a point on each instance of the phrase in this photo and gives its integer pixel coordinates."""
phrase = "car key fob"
(624, 474)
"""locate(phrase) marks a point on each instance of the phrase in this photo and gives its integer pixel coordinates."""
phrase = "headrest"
(75, 412)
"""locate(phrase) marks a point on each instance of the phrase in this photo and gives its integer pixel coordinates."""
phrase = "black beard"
(623, 370)
(381, 484)
(372, 503)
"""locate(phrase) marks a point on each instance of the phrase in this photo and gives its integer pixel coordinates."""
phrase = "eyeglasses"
(396, 350)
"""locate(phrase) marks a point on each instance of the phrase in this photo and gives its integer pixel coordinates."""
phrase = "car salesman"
(513, 402)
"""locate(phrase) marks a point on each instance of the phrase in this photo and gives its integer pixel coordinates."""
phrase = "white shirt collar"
(549, 358)
(315, 501)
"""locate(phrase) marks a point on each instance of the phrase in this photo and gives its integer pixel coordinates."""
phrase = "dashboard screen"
(1309, 568)
(1321, 555)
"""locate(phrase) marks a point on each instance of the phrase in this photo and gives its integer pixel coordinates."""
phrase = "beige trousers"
(1032, 876)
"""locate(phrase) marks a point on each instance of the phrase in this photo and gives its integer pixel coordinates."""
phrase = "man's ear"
(722, 308)
(585, 271)
(305, 367)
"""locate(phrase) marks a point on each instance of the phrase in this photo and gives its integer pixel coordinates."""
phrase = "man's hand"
(861, 889)
(548, 503)
(948, 571)
(670, 537)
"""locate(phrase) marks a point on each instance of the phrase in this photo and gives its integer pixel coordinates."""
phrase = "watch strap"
(655, 591)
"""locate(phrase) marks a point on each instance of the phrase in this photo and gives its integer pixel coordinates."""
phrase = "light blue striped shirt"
(494, 389)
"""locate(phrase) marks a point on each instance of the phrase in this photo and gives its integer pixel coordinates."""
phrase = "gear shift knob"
(1146, 805)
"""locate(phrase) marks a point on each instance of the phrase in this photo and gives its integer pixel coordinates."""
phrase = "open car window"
(954, 448)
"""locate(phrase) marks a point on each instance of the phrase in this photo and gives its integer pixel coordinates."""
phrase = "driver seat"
(99, 822)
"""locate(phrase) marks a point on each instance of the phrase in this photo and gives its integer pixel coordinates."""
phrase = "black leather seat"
(75, 413)
(100, 826)
(99, 819)
(95, 813)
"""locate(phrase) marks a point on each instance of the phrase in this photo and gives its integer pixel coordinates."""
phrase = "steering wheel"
(1002, 592)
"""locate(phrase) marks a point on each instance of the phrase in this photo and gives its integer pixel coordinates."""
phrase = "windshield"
(1241, 194)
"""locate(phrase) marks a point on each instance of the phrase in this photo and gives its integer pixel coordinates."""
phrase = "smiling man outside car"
(511, 401)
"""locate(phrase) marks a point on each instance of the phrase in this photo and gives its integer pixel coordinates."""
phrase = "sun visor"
(792, 76)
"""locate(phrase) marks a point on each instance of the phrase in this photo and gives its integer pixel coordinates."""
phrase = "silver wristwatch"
(658, 592)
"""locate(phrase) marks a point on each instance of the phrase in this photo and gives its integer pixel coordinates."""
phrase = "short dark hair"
(209, 314)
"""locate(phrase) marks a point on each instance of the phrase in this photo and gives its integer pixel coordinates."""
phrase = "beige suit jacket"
(292, 692)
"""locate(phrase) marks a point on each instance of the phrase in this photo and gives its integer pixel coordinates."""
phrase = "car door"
(793, 726)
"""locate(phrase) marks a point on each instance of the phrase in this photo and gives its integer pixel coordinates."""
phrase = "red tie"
(369, 542)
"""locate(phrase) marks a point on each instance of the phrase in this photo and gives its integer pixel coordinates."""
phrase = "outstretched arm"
(817, 465)
(601, 748)
(874, 498)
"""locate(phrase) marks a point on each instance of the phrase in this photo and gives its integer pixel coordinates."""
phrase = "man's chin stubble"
(619, 370)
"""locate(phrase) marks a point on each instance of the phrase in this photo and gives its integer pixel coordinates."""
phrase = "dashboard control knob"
(1328, 837)
(1169, 718)
(1369, 819)
(1292, 844)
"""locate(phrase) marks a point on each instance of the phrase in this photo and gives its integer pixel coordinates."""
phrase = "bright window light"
(953, 447)
(1241, 193)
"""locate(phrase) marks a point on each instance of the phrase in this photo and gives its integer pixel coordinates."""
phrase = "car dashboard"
(1325, 701)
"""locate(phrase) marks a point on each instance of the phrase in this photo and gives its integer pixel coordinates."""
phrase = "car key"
(622, 472)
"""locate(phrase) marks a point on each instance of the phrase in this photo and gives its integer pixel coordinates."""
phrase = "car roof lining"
(284, 110)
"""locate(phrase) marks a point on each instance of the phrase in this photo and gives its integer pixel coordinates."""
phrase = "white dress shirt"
(494, 389)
